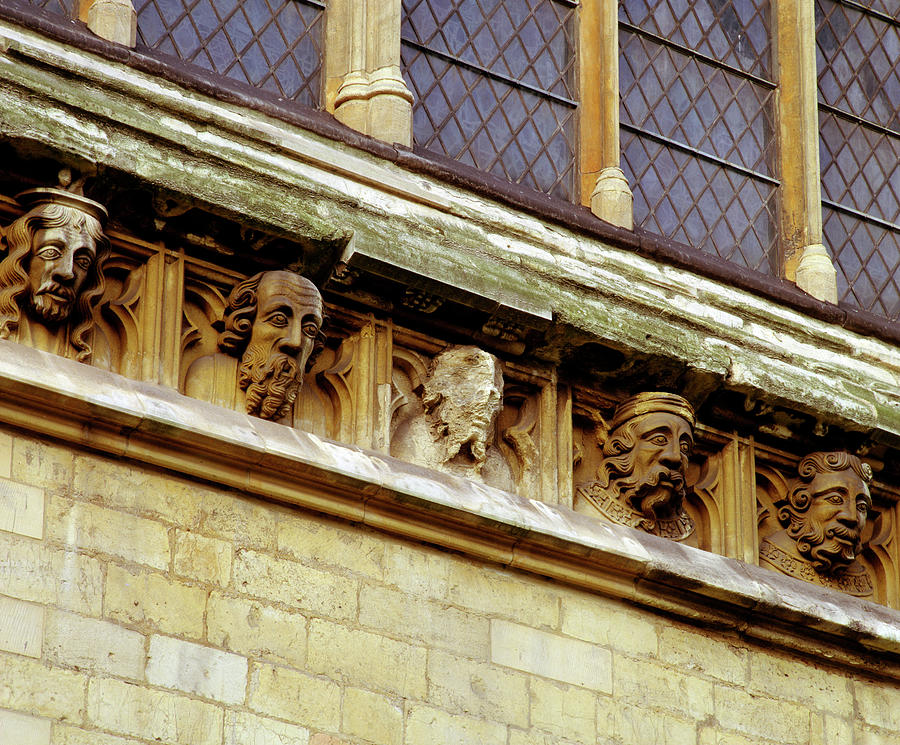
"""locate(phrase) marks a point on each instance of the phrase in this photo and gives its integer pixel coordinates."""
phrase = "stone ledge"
(48, 395)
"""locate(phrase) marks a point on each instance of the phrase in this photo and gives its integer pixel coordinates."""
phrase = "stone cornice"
(148, 424)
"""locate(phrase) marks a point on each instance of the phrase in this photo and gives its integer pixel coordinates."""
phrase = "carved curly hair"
(14, 281)
(240, 313)
(798, 498)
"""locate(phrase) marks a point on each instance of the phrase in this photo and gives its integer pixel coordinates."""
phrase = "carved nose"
(64, 267)
(292, 342)
(671, 455)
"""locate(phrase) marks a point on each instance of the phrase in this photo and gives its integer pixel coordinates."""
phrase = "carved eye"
(278, 319)
(83, 262)
(686, 447)
(310, 329)
(835, 499)
(862, 508)
(49, 253)
(660, 440)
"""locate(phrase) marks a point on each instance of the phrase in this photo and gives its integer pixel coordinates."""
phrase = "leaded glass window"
(494, 86)
(696, 115)
(858, 61)
(275, 45)
(61, 7)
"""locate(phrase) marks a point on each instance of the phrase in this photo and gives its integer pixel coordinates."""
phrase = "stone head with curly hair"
(272, 325)
(826, 509)
(52, 274)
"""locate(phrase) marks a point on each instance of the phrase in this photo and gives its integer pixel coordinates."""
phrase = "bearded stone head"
(272, 324)
(53, 270)
(826, 509)
(463, 396)
(646, 453)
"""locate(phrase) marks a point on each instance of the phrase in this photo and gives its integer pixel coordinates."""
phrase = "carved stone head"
(53, 270)
(273, 326)
(642, 474)
(463, 396)
(826, 508)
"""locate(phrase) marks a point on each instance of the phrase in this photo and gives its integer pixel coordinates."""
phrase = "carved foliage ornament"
(824, 516)
(51, 279)
(270, 335)
(641, 478)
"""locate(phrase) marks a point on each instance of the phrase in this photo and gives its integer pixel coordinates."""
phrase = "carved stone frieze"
(823, 515)
(51, 279)
(270, 332)
(641, 478)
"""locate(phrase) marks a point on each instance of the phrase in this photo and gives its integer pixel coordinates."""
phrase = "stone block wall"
(138, 606)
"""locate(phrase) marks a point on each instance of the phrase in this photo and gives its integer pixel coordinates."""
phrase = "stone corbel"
(113, 20)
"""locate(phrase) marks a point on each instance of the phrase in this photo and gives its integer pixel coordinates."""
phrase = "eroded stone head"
(463, 396)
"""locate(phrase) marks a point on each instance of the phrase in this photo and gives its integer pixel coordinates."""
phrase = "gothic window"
(697, 99)
(858, 62)
(494, 86)
(274, 45)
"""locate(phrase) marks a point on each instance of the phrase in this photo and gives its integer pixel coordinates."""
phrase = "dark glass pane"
(858, 60)
(732, 31)
(704, 107)
(491, 124)
(707, 206)
(59, 7)
(530, 41)
(481, 107)
(275, 45)
(867, 257)
(860, 167)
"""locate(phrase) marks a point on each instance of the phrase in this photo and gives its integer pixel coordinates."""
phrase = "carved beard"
(657, 494)
(270, 381)
(52, 309)
(818, 543)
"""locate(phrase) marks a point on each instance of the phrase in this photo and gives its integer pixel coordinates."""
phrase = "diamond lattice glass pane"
(860, 166)
(490, 124)
(735, 32)
(530, 41)
(682, 98)
(275, 45)
(493, 83)
(59, 7)
(689, 199)
(867, 258)
(858, 61)
(890, 8)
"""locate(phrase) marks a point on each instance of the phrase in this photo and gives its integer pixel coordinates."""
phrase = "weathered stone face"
(463, 397)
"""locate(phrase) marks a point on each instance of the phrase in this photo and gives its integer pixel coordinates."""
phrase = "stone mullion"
(805, 260)
(564, 446)
(113, 20)
(364, 86)
(163, 292)
(738, 484)
(603, 184)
